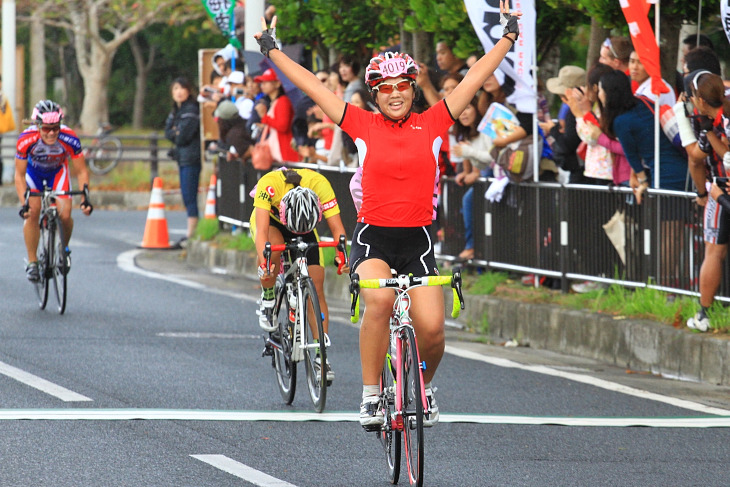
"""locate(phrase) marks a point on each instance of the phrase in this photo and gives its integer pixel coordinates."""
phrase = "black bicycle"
(300, 334)
(104, 152)
(53, 258)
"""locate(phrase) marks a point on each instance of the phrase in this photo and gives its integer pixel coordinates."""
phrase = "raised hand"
(267, 38)
(509, 21)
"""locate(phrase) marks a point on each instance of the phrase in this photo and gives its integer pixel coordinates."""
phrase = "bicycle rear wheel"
(105, 156)
(314, 347)
(389, 437)
(41, 286)
(58, 270)
(286, 369)
(412, 408)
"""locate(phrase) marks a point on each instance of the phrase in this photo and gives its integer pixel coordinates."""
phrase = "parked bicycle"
(300, 335)
(103, 153)
(402, 392)
(53, 259)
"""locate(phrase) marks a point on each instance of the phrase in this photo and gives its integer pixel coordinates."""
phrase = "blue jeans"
(189, 182)
(467, 206)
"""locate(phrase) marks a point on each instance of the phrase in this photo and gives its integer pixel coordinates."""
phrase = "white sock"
(427, 386)
(368, 391)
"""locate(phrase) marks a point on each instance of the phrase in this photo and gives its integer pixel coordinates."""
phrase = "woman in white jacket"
(474, 147)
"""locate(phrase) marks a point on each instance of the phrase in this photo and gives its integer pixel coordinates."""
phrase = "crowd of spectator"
(602, 134)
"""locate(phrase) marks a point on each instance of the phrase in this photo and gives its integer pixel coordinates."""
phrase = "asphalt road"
(154, 377)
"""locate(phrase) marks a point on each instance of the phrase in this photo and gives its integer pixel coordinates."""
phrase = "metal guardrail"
(542, 228)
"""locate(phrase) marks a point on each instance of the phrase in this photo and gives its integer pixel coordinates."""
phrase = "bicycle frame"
(294, 272)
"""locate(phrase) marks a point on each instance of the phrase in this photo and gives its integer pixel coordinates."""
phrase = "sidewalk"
(637, 345)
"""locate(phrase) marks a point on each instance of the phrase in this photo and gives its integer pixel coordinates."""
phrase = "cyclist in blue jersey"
(41, 158)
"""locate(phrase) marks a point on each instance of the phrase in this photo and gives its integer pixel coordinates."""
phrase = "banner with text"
(484, 16)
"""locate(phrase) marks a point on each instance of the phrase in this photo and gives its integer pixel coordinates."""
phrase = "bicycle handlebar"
(302, 247)
(50, 193)
(404, 283)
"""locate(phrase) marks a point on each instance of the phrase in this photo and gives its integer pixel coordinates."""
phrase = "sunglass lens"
(385, 88)
(403, 85)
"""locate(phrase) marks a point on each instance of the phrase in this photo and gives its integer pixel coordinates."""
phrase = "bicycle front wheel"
(41, 286)
(105, 156)
(286, 369)
(315, 349)
(58, 266)
(390, 437)
(412, 408)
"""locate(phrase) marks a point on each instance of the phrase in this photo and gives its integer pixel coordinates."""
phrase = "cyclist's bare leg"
(64, 214)
(374, 329)
(31, 232)
(427, 313)
(316, 272)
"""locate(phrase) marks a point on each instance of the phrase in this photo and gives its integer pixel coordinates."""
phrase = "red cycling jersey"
(44, 158)
(399, 161)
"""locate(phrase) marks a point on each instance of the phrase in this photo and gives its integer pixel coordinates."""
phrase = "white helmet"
(300, 210)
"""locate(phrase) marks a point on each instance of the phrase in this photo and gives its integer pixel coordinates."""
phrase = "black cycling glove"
(87, 204)
(267, 41)
(510, 25)
(23, 210)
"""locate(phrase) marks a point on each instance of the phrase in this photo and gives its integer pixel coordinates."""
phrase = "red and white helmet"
(47, 111)
(390, 65)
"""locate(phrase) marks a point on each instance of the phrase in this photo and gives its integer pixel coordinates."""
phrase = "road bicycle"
(53, 258)
(103, 153)
(300, 335)
(402, 392)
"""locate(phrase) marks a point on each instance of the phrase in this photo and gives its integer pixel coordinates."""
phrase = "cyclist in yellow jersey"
(289, 203)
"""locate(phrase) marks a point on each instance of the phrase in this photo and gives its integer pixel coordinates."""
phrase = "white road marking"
(41, 384)
(89, 414)
(173, 334)
(242, 471)
(587, 379)
(125, 261)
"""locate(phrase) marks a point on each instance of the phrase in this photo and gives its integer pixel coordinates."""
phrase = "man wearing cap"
(278, 118)
(234, 137)
(564, 133)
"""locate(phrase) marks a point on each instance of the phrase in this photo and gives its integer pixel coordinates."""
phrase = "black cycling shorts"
(408, 250)
(312, 254)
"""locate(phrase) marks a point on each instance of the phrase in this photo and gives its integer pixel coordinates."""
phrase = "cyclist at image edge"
(42, 155)
(398, 152)
(287, 204)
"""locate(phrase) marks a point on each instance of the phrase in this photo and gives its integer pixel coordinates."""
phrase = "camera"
(208, 89)
(722, 182)
(239, 92)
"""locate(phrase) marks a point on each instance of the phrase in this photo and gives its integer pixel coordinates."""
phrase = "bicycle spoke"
(389, 438)
(286, 369)
(413, 409)
(314, 346)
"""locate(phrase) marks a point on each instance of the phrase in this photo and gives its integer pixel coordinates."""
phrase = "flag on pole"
(725, 15)
(221, 11)
(636, 13)
(518, 63)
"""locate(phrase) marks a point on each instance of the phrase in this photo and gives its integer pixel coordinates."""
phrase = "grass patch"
(207, 229)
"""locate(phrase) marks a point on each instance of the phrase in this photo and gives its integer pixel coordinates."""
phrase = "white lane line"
(125, 261)
(41, 384)
(587, 379)
(84, 414)
(242, 471)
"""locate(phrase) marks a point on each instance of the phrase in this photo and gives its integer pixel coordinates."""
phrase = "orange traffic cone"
(156, 235)
(210, 200)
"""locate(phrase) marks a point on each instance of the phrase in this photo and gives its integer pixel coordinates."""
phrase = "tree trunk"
(37, 58)
(143, 70)
(95, 109)
(669, 34)
(598, 35)
(422, 47)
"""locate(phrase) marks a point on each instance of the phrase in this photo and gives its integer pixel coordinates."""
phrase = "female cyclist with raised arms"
(398, 153)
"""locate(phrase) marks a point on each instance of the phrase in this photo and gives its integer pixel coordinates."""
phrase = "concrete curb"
(638, 345)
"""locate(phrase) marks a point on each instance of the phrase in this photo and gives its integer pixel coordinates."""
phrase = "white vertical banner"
(519, 62)
(725, 15)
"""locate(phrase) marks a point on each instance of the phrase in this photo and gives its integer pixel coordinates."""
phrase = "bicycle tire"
(412, 408)
(57, 262)
(286, 369)
(41, 286)
(313, 348)
(104, 156)
(390, 438)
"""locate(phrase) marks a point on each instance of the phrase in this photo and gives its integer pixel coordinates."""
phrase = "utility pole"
(8, 50)
(254, 12)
